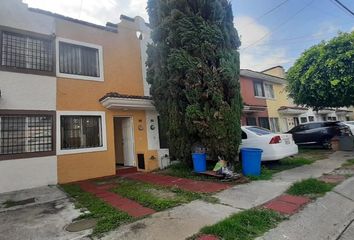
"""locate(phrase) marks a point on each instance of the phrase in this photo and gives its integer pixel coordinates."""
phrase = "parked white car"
(275, 146)
(350, 124)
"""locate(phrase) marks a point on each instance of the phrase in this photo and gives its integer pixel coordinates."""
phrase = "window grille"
(80, 132)
(22, 51)
(26, 134)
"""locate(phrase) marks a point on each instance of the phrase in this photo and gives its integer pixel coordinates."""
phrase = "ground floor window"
(311, 118)
(264, 122)
(80, 132)
(332, 118)
(274, 124)
(22, 133)
(303, 119)
(251, 121)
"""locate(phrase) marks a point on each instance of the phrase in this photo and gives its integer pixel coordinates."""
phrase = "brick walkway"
(287, 204)
(131, 207)
(182, 183)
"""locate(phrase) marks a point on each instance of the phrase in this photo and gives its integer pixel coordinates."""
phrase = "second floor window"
(25, 52)
(263, 89)
(78, 60)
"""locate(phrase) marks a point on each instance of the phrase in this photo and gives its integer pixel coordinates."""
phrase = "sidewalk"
(330, 217)
(184, 221)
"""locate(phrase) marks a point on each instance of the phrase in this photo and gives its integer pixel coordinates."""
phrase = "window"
(311, 118)
(274, 124)
(79, 60)
(25, 52)
(80, 132)
(24, 134)
(251, 121)
(264, 122)
(332, 118)
(259, 131)
(263, 89)
(269, 92)
(258, 89)
(303, 119)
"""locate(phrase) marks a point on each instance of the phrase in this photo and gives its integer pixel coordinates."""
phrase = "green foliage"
(349, 163)
(246, 225)
(324, 74)
(193, 69)
(108, 218)
(152, 196)
(310, 186)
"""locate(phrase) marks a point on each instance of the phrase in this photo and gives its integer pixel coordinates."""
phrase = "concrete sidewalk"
(44, 218)
(186, 220)
(330, 217)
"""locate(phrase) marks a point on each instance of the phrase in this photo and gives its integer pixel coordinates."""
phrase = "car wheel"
(327, 143)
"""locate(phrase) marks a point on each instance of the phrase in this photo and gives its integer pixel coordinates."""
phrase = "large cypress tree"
(193, 69)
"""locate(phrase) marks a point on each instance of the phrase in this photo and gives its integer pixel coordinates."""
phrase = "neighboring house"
(74, 99)
(267, 91)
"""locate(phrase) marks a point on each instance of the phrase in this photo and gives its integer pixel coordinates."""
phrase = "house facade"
(74, 100)
(271, 106)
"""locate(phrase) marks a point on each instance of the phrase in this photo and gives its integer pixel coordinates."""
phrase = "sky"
(272, 32)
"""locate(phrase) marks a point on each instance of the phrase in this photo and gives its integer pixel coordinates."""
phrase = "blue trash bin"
(251, 161)
(199, 162)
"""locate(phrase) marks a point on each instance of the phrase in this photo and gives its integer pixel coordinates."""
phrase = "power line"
(344, 7)
(277, 27)
(268, 12)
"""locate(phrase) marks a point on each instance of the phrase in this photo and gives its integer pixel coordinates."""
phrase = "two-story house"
(74, 99)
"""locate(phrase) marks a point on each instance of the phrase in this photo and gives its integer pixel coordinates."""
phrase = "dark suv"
(318, 133)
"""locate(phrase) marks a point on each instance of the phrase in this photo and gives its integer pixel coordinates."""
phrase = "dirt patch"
(10, 203)
(165, 194)
(136, 227)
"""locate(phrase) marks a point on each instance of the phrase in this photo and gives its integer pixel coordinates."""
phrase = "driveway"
(42, 214)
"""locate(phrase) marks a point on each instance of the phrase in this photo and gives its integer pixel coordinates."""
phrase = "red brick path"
(332, 178)
(287, 204)
(124, 204)
(182, 183)
(207, 237)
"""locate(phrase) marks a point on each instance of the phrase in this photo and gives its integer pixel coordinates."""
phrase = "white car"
(275, 146)
(350, 124)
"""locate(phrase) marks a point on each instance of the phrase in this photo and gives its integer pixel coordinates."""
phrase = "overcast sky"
(269, 38)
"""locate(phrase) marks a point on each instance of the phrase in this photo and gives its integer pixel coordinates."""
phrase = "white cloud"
(261, 55)
(95, 11)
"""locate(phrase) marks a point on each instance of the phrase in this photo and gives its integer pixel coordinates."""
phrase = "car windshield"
(259, 131)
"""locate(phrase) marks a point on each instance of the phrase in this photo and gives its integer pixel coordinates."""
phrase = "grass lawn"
(157, 197)
(348, 163)
(270, 168)
(107, 217)
(306, 156)
(245, 225)
(310, 187)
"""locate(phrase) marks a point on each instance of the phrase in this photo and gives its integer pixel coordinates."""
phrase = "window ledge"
(80, 77)
(265, 98)
(81, 150)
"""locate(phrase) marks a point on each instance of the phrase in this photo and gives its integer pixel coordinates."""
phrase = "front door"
(124, 141)
(128, 142)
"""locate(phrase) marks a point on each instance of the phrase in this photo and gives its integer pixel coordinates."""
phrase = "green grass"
(269, 169)
(310, 187)
(348, 163)
(182, 170)
(245, 225)
(107, 217)
(157, 197)
(313, 154)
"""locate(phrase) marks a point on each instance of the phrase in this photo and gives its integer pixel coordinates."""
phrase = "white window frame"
(74, 76)
(81, 150)
(263, 84)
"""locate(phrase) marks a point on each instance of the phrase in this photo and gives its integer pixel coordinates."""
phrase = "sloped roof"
(261, 76)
